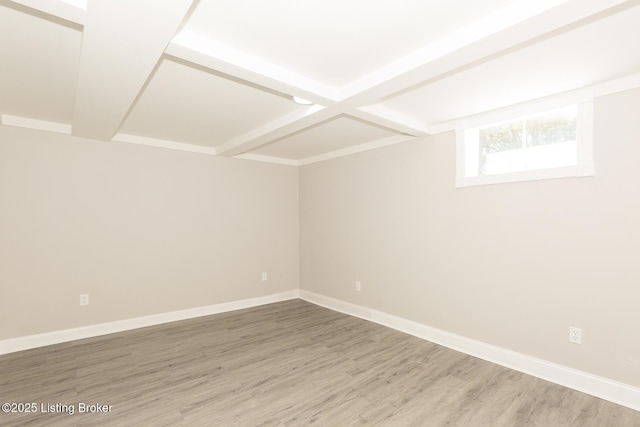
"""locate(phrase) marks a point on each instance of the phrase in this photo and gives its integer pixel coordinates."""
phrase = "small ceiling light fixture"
(302, 101)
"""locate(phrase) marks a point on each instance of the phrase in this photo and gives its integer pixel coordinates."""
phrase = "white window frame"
(584, 140)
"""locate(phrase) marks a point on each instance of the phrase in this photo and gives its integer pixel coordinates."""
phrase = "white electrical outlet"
(358, 286)
(264, 277)
(575, 335)
(84, 299)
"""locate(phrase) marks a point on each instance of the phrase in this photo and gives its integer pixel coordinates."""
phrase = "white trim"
(210, 53)
(480, 30)
(297, 120)
(398, 122)
(604, 388)
(619, 85)
(391, 140)
(504, 113)
(584, 136)
(336, 305)
(163, 143)
(268, 159)
(25, 122)
(579, 96)
(613, 391)
(80, 4)
(56, 337)
(460, 158)
(69, 10)
(533, 175)
(527, 108)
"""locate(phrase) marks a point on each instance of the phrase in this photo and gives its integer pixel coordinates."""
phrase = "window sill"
(565, 172)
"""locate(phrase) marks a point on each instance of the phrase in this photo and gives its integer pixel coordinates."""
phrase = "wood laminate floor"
(285, 364)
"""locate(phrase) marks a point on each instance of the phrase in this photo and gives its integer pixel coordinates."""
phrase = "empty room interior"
(283, 213)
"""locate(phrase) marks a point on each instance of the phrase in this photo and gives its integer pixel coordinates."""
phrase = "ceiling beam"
(29, 123)
(122, 42)
(407, 71)
(57, 8)
(390, 120)
(207, 53)
(520, 23)
(215, 56)
(383, 142)
(296, 121)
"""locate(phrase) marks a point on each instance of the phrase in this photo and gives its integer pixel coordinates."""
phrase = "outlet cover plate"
(575, 335)
(84, 299)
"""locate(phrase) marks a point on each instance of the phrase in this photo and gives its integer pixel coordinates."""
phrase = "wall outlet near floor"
(575, 335)
(84, 299)
(358, 286)
(264, 277)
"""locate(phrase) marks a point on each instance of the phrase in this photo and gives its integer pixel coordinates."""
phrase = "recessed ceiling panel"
(190, 105)
(333, 42)
(38, 66)
(588, 55)
(335, 135)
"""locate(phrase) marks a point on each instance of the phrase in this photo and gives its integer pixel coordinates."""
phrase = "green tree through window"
(551, 128)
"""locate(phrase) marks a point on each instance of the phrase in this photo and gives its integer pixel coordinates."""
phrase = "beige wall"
(512, 265)
(143, 230)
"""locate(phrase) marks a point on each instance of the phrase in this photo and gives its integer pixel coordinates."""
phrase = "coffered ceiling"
(218, 76)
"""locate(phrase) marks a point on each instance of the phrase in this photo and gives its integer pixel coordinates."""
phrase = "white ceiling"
(217, 76)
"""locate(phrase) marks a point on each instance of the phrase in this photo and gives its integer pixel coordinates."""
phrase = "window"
(553, 143)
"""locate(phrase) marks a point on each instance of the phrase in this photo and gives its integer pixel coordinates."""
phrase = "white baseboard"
(613, 391)
(40, 340)
(603, 388)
